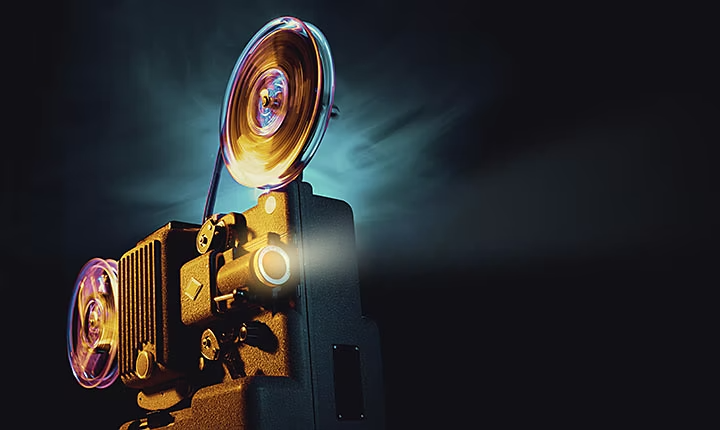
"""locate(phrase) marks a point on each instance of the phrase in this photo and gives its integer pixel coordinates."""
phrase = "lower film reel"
(277, 104)
(93, 331)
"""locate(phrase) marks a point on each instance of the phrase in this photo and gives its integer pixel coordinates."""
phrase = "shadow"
(261, 336)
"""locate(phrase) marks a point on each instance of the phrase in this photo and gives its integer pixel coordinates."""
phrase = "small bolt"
(265, 97)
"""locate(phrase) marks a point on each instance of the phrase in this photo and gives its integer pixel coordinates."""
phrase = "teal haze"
(458, 142)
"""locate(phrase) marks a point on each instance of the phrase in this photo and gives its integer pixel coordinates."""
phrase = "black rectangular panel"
(348, 382)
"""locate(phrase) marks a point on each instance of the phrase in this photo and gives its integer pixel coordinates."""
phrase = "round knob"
(144, 364)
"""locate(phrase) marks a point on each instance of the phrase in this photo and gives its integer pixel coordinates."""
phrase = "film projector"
(248, 320)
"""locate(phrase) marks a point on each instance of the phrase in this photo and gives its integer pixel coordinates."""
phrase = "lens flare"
(92, 333)
(273, 265)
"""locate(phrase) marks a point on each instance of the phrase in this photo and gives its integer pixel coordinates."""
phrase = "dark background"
(531, 186)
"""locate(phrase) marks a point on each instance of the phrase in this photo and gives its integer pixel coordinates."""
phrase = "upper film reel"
(93, 331)
(277, 104)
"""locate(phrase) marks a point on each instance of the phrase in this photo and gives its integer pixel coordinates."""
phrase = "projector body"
(251, 320)
(207, 351)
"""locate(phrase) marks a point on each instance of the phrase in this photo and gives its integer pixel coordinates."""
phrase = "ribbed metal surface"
(139, 276)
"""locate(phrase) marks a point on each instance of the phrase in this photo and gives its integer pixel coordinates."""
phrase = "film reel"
(93, 332)
(277, 104)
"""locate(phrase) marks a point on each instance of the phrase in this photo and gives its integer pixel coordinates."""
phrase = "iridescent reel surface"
(92, 333)
(277, 104)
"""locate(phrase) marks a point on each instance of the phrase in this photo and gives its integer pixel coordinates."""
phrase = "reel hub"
(268, 107)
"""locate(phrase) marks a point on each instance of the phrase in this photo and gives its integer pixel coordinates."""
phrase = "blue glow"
(148, 152)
